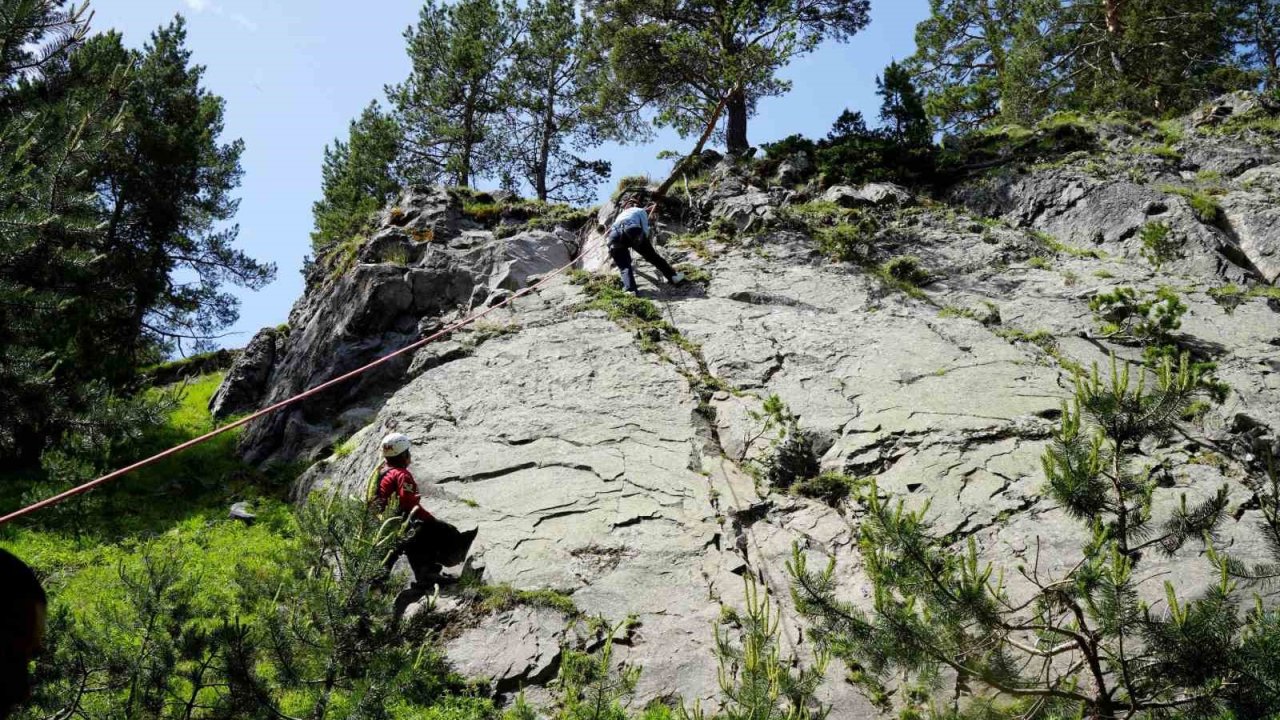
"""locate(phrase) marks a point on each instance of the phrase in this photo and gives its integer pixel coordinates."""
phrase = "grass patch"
(721, 230)
(343, 256)
(694, 273)
(1039, 262)
(396, 255)
(832, 488)
(1232, 296)
(1171, 131)
(485, 213)
(1158, 243)
(632, 182)
(953, 311)
(346, 447)
(1166, 152)
(1061, 248)
(1042, 339)
(643, 317)
(1205, 207)
(482, 331)
(905, 273)
(848, 241)
(499, 598)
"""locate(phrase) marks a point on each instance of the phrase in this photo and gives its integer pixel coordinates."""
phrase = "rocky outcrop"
(618, 474)
(246, 380)
(426, 264)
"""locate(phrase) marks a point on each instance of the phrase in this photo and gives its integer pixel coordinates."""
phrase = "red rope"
(80, 489)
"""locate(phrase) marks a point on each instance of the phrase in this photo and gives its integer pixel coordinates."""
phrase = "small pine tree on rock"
(1080, 645)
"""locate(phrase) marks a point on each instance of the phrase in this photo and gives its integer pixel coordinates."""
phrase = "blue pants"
(620, 247)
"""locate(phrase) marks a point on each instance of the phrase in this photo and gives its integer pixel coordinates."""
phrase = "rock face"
(246, 380)
(427, 264)
(619, 476)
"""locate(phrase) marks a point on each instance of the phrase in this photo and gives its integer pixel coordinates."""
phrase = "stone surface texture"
(597, 469)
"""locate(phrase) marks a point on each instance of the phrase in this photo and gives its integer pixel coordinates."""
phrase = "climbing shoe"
(677, 279)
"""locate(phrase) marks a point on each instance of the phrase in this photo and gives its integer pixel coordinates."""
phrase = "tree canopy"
(684, 58)
(114, 250)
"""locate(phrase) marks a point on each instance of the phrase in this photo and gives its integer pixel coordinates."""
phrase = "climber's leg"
(647, 251)
(621, 255)
(419, 549)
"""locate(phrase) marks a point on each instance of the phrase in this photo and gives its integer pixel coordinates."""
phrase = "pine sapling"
(1080, 644)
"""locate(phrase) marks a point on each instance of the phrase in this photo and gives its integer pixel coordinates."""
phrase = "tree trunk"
(736, 135)
(548, 132)
(1115, 32)
(468, 141)
(1115, 26)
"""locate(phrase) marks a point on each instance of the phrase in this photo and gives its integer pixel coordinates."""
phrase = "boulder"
(746, 210)
(423, 264)
(794, 170)
(518, 647)
(245, 383)
(869, 195)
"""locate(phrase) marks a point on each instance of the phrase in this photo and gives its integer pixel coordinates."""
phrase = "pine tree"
(979, 61)
(590, 687)
(683, 58)
(330, 633)
(358, 177)
(549, 119)
(113, 251)
(168, 183)
(756, 681)
(50, 234)
(902, 108)
(1081, 644)
(1257, 37)
(1156, 57)
(460, 53)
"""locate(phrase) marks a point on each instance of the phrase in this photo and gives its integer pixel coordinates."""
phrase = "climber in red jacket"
(429, 543)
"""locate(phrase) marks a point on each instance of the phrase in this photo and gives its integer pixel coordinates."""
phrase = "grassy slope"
(177, 507)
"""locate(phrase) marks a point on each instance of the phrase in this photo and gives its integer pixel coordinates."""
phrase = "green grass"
(1062, 248)
(346, 447)
(1042, 339)
(485, 213)
(1039, 262)
(198, 482)
(694, 273)
(1171, 131)
(497, 598)
(905, 274)
(632, 182)
(953, 311)
(176, 508)
(1232, 296)
(832, 488)
(1205, 207)
(396, 255)
(1254, 123)
(343, 256)
(189, 365)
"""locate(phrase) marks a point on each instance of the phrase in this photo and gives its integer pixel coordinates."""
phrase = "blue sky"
(295, 72)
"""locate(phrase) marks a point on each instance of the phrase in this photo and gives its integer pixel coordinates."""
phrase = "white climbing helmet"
(395, 444)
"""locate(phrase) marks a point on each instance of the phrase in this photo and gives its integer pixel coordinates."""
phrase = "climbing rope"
(586, 248)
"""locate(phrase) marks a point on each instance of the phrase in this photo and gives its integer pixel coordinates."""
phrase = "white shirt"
(632, 217)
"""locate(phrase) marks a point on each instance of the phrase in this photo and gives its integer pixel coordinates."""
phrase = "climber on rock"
(429, 543)
(632, 229)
